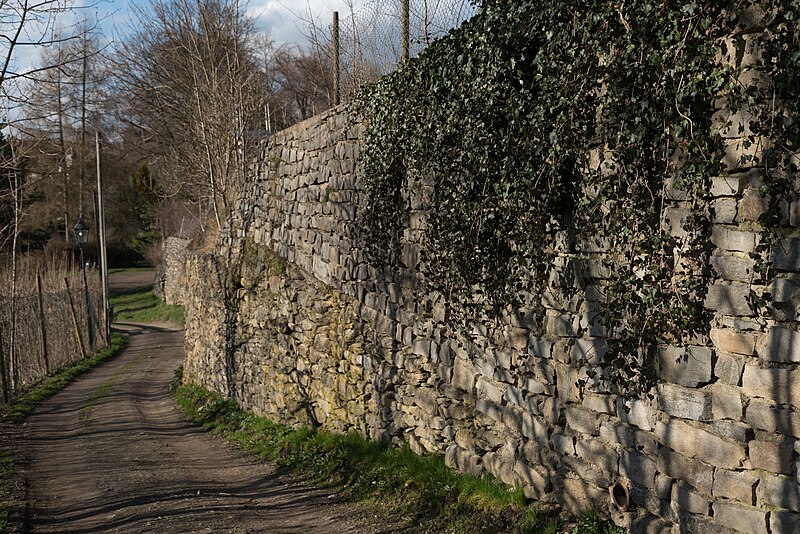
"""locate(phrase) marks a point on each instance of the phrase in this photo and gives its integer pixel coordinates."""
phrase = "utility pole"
(101, 234)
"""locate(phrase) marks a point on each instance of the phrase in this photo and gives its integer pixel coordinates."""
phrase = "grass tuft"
(142, 305)
(420, 489)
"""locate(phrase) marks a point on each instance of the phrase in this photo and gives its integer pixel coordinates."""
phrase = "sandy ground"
(112, 453)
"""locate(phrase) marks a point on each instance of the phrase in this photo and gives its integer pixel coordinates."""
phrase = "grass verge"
(17, 410)
(144, 306)
(420, 490)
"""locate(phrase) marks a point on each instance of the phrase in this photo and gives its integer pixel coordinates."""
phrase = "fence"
(46, 326)
(371, 38)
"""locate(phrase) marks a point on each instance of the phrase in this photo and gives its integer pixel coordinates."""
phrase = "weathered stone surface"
(741, 518)
(729, 368)
(729, 299)
(737, 485)
(751, 206)
(636, 412)
(462, 460)
(727, 238)
(598, 454)
(688, 501)
(768, 416)
(779, 385)
(780, 491)
(583, 421)
(689, 366)
(697, 443)
(638, 468)
(733, 341)
(783, 522)
(775, 456)
(786, 255)
(782, 344)
(726, 401)
(694, 472)
(732, 267)
(686, 403)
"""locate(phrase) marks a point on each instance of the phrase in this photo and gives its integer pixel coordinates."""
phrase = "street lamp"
(81, 231)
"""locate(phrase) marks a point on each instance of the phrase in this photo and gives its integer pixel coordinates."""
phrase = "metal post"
(335, 32)
(404, 14)
(89, 321)
(101, 234)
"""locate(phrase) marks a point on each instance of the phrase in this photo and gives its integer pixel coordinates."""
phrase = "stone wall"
(288, 318)
(170, 285)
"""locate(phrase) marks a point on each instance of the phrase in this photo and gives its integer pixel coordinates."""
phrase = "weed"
(143, 306)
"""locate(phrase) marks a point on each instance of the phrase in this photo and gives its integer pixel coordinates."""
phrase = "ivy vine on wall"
(550, 138)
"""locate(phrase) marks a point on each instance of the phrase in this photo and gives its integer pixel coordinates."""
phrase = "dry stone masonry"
(287, 317)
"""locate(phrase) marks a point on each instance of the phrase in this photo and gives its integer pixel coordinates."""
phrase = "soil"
(113, 453)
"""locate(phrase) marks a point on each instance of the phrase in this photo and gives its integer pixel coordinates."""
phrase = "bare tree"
(192, 77)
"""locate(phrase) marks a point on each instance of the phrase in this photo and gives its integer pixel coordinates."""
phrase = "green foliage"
(418, 488)
(540, 136)
(143, 306)
(591, 523)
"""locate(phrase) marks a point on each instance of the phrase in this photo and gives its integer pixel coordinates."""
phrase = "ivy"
(547, 142)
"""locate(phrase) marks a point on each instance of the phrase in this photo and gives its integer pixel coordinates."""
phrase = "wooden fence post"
(45, 362)
(75, 320)
(4, 372)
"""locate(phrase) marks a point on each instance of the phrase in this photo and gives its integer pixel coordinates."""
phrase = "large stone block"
(742, 518)
(774, 456)
(729, 299)
(733, 341)
(463, 460)
(728, 238)
(733, 267)
(678, 401)
(638, 468)
(768, 416)
(737, 485)
(782, 344)
(598, 454)
(701, 444)
(776, 384)
(783, 522)
(780, 491)
(684, 500)
(464, 374)
(786, 254)
(636, 412)
(583, 421)
(728, 368)
(686, 366)
(726, 401)
(694, 472)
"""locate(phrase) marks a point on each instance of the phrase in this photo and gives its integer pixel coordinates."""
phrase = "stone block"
(780, 491)
(781, 344)
(783, 522)
(567, 383)
(770, 417)
(589, 351)
(534, 484)
(637, 468)
(464, 374)
(678, 401)
(786, 254)
(583, 421)
(576, 496)
(776, 384)
(694, 472)
(563, 445)
(728, 368)
(733, 341)
(774, 456)
(427, 399)
(674, 220)
(636, 412)
(491, 390)
(730, 185)
(599, 403)
(534, 428)
(685, 366)
(742, 518)
(687, 501)
(561, 324)
(618, 434)
(730, 239)
(729, 299)
(701, 444)
(726, 401)
(598, 454)
(737, 485)
(751, 206)
(733, 267)
(744, 153)
(724, 210)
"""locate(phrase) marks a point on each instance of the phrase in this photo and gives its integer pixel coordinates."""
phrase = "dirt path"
(112, 453)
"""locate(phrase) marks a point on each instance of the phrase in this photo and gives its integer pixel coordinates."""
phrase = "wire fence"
(371, 37)
(46, 327)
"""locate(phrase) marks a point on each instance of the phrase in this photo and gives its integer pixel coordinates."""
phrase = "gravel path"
(112, 453)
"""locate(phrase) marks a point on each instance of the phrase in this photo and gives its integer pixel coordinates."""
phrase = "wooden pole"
(45, 362)
(405, 31)
(101, 233)
(4, 372)
(336, 54)
(75, 320)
